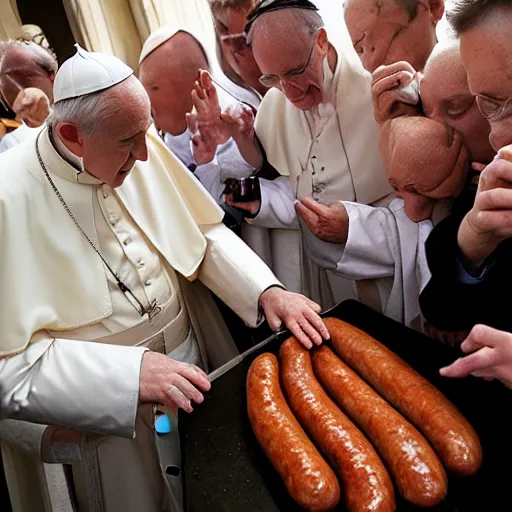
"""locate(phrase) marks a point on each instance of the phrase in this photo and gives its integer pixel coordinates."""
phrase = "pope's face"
(110, 153)
(486, 51)
(295, 62)
(383, 33)
(446, 98)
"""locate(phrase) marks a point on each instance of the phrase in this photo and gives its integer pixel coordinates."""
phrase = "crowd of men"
(293, 170)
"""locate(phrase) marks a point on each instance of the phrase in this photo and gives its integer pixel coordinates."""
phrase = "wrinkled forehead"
(367, 15)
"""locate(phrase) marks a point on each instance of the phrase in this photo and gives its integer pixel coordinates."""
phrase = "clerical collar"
(64, 163)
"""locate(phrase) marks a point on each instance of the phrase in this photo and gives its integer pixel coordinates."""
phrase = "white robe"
(58, 299)
(386, 246)
(331, 154)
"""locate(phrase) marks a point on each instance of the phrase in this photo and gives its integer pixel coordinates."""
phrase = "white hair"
(86, 112)
(307, 21)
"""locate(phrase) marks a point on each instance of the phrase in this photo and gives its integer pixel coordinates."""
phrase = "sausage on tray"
(416, 469)
(307, 476)
(366, 483)
(451, 435)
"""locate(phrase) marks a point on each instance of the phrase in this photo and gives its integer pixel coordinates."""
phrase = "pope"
(106, 239)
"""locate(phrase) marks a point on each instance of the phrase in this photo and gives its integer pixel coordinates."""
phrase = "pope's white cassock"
(331, 154)
(68, 334)
(228, 162)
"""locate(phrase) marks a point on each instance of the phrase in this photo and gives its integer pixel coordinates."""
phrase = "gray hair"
(86, 112)
(465, 14)
(308, 20)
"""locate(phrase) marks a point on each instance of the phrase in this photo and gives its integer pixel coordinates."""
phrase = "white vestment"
(13, 138)
(331, 154)
(385, 245)
(68, 333)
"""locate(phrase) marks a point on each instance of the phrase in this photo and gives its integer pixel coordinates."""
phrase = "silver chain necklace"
(152, 310)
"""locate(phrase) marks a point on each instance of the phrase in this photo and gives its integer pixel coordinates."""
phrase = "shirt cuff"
(464, 277)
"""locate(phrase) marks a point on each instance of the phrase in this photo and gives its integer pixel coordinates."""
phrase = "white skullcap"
(88, 72)
(161, 36)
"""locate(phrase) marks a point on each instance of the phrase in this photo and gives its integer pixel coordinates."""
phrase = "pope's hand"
(490, 220)
(327, 222)
(32, 107)
(171, 383)
(299, 314)
(387, 82)
(490, 356)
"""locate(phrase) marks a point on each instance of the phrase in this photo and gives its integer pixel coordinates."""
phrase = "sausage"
(451, 435)
(417, 471)
(307, 476)
(366, 483)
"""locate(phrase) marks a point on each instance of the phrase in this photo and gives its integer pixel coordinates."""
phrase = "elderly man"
(27, 72)
(170, 63)
(109, 276)
(230, 17)
(388, 31)
(427, 164)
(315, 127)
(469, 256)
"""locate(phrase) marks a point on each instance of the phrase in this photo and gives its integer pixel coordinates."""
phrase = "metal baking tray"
(225, 470)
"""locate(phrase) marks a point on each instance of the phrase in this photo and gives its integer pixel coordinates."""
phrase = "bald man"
(388, 244)
(388, 31)
(27, 72)
(169, 67)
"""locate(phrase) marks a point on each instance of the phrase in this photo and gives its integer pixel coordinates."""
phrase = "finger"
(320, 209)
(310, 218)
(317, 323)
(498, 222)
(173, 397)
(483, 359)
(494, 199)
(301, 336)
(477, 166)
(274, 321)
(392, 82)
(387, 70)
(199, 90)
(191, 120)
(497, 174)
(483, 335)
(196, 376)
(314, 336)
(188, 390)
(313, 305)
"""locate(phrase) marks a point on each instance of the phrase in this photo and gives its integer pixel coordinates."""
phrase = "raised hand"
(390, 99)
(32, 107)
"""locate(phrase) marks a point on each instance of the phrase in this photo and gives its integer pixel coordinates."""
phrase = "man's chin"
(306, 102)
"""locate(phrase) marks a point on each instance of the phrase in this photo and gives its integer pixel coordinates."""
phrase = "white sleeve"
(277, 205)
(372, 243)
(232, 163)
(209, 176)
(86, 386)
(235, 273)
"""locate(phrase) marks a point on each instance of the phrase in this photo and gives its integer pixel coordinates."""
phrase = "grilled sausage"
(366, 483)
(451, 435)
(307, 476)
(416, 469)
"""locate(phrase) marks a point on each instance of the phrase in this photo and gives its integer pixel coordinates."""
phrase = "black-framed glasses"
(275, 80)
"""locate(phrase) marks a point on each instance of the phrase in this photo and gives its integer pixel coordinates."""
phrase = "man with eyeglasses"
(316, 127)
(470, 257)
(236, 58)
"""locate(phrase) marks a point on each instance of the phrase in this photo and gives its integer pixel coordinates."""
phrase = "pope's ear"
(70, 136)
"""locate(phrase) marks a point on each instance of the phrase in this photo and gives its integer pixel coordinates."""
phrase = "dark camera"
(243, 190)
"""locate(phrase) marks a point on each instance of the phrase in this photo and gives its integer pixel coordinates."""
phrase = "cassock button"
(148, 283)
(141, 262)
(127, 241)
(113, 222)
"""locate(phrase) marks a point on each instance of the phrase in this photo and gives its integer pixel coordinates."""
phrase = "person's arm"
(93, 387)
(241, 279)
(276, 207)
(370, 234)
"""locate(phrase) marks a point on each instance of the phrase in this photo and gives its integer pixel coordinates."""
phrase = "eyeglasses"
(493, 110)
(274, 80)
(237, 41)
